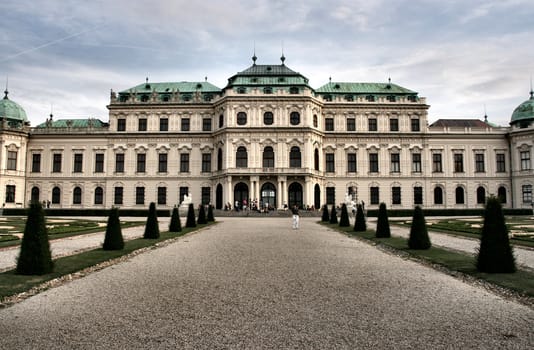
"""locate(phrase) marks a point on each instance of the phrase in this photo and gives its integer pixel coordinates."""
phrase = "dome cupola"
(12, 111)
(524, 113)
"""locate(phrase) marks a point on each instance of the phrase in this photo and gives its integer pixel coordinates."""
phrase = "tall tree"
(333, 215)
(495, 254)
(382, 225)
(326, 216)
(210, 217)
(344, 220)
(113, 239)
(35, 257)
(175, 225)
(152, 227)
(418, 232)
(190, 222)
(360, 225)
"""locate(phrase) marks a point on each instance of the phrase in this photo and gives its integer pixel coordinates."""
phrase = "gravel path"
(255, 284)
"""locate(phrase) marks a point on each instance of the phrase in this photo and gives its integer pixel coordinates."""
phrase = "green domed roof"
(11, 110)
(525, 111)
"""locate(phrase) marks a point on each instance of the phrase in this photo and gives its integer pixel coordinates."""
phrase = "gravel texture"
(256, 283)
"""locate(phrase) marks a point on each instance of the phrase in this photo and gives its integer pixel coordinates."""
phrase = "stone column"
(228, 196)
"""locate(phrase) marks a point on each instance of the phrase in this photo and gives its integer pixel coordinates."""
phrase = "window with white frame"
(527, 193)
(525, 160)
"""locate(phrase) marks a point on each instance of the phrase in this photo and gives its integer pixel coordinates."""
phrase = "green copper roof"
(183, 87)
(11, 110)
(267, 76)
(363, 88)
(525, 111)
(74, 123)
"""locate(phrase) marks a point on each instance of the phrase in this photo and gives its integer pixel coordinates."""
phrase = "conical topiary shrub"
(190, 222)
(344, 220)
(210, 217)
(113, 239)
(326, 216)
(495, 254)
(175, 225)
(418, 233)
(35, 257)
(359, 224)
(382, 224)
(333, 215)
(201, 215)
(152, 228)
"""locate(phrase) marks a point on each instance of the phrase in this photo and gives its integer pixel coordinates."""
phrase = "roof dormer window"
(268, 90)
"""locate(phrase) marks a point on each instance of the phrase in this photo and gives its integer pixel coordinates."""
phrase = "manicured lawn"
(521, 281)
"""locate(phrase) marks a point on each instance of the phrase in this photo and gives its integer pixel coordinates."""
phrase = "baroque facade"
(270, 138)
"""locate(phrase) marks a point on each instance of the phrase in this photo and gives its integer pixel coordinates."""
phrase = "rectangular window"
(479, 163)
(78, 163)
(351, 162)
(10, 193)
(375, 195)
(206, 124)
(36, 163)
(183, 192)
(185, 124)
(501, 163)
(373, 125)
(330, 162)
(56, 163)
(164, 124)
(373, 162)
(416, 162)
(395, 162)
(142, 124)
(119, 162)
(525, 160)
(331, 195)
(139, 195)
(99, 163)
(11, 160)
(351, 124)
(458, 163)
(436, 163)
(396, 195)
(205, 197)
(141, 162)
(118, 195)
(162, 162)
(184, 163)
(527, 193)
(329, 124)
(162, 195)
(417, 195)
(206, 162)
(394, 124)
(121, 124)
(415, 124)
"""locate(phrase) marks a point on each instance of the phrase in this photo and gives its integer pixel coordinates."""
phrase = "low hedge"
(448, 212)
(87, 212)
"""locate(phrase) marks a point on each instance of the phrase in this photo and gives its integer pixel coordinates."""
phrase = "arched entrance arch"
(295, 195)
(317, 197)
(219, 197)
(240, 193)
(268, 195)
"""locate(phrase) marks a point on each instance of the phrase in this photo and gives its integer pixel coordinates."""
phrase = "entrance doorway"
(268, 195)
(295, 195)
(219, 197)
(240, 193)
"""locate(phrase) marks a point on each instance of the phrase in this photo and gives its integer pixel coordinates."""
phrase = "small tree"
(495, 254)
(201, 215)
(382, 225)
(418, 233)
(35, 257)
(152, 228)
(113, 239)
(344, 220)
(191, 217)
(333, 215)
(210, 218)
(359, 224)
(175, 225)
(326, 216)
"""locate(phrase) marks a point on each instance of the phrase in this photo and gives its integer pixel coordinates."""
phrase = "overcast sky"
(461, 55)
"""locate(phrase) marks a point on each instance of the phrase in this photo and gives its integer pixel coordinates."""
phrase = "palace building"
(266, 137)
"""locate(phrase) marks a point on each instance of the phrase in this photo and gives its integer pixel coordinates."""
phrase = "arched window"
(241, 118)
(294, 118)
(219, 159)
(316, 159)
(241, 157)
(56, 195)
(481, 195)
(268, 118)
(35, 194)
(99, 195)
(438, 195)
(77, 196)
(221, 121)
(501, 194)
(268, 157)
(315, 121)
(294, 157)
(459, 195)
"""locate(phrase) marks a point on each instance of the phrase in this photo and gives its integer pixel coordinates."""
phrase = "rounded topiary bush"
(201, 216)
(344, 219)
(495, 254)
(382, 224)
(418, 232)
(175, 225)
(210, 217)
(113, 239)
(359, 224)
(325, 217)
(151, 227)
(35, 257)
(191, 221)
(333, 215)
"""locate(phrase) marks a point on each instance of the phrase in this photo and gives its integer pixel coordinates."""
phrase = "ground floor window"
(162, 195)
(417, 195)
(396, 195)
(331, 195)
(438, 195)
(99, 195)
(77, 196)
(206, 192)
(481, 195)
(118, 195)
(10, 194)
(184, 191)
(375, 195)
(139, 195)
(527, 193)
(460, 195)
(56, 195)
